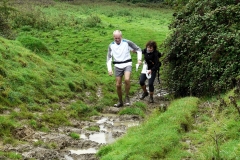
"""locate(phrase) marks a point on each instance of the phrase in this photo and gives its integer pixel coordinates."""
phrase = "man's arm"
(137, 49)
(109, 61)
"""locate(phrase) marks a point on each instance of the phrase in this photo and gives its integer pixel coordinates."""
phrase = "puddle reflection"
(108, 127)
(99, 137)
(84, 151)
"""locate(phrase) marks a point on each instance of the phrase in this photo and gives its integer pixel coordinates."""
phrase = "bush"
(203, 50)
(92, 21)
(31, 17)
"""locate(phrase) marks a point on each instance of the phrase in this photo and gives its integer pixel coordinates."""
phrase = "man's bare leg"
(127, 76)
(119, 88)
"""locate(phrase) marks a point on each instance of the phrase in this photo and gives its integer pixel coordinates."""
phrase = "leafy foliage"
(203, 50)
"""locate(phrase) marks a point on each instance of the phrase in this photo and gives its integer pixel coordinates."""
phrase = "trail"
(58, 144)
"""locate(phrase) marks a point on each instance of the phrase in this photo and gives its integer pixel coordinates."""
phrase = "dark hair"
(152, 44)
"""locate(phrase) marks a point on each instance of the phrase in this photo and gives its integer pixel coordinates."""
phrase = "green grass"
(157, 136)
(7, 125)
(93, 128)
(74, 135)
(137, 108)
(59, 53)
(190, 128)
(53, 69)
(10, 155)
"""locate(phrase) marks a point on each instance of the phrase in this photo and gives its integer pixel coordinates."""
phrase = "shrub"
(92, 21)
(32, 17)
(203, 50)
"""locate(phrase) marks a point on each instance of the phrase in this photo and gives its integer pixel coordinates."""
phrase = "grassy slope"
(190, 129)
(87, 46)
(28, 77)
(159, 134)
(65, 60)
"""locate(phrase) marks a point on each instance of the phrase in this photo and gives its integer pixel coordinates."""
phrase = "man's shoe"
(127, 101)
(151, 99)
(145, 94)
(119, 104)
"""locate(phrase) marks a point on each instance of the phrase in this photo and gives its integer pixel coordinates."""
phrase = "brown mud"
(58, 144)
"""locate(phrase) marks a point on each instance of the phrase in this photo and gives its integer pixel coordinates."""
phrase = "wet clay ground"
(58, 144)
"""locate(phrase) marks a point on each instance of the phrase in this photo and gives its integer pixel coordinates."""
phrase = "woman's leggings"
(143, 78)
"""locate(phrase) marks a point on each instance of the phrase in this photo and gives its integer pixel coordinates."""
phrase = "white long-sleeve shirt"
(121, 52)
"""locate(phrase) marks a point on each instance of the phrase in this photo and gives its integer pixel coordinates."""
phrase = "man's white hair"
(117, 32)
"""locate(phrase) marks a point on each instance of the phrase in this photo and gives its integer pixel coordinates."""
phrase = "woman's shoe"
(151, 99)
(145, 94)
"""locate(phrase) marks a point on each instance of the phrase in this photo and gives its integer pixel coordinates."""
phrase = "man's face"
(117, 38)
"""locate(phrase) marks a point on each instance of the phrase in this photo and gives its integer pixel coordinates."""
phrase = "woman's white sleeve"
(139, 55)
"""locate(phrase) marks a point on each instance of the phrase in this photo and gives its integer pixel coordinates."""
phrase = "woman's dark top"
(152, 59)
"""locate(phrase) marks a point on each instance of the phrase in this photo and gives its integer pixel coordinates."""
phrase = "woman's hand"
(139, 62)
(149, 71)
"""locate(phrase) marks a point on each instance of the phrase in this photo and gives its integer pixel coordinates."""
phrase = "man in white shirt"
(119, 51)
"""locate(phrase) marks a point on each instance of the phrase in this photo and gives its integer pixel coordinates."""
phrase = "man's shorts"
(119, 72)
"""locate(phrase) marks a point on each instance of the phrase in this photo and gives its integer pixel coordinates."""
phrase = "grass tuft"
(34, 44)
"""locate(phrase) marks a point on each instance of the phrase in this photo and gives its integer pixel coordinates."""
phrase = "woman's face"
(150, 49)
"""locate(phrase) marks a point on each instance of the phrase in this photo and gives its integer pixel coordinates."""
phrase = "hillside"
(54, 88)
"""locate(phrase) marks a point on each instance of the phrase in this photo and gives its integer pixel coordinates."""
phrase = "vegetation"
(191, 128)
(55, 62)
(138, 108)
(93, 128)
(74, 135)
(159, 135)
(202, 51)
(53, 69)
(165, 3)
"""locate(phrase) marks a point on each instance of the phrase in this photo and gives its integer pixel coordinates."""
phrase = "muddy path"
(58, 144)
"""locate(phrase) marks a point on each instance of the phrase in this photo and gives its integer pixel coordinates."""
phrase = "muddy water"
(58, 144)
(111, 127)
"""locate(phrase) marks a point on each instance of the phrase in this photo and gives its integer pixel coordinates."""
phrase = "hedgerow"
(203, 56)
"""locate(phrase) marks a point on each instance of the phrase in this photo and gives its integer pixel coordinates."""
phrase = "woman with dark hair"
(150, 67)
